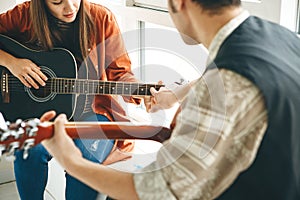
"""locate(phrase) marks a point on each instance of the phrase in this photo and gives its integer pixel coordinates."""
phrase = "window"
(166, 57)
(154, 4)
(279, 11)
(298, 18)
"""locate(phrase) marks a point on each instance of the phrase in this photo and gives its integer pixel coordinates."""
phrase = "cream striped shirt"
(216, 137)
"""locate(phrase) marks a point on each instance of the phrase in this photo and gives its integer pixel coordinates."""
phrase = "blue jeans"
(32, 174)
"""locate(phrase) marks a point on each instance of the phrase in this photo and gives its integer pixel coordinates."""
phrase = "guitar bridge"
(4, 86)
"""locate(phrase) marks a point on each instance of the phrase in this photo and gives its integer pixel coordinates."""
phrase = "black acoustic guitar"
(63, 87)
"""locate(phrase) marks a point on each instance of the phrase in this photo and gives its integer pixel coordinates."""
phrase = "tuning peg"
(17, 133)
(11, 151)
(5, 135)
(18, 122)
(33, 123)
(26, 146)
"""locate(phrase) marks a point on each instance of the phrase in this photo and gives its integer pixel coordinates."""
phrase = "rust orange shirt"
(111, 60)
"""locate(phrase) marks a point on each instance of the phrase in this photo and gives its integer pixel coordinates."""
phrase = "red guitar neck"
(107, 130)
(24, 136)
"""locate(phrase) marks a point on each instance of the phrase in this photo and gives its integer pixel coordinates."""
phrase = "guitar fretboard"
(83, 86)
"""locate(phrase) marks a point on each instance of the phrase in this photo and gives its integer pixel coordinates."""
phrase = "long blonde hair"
(41, 30)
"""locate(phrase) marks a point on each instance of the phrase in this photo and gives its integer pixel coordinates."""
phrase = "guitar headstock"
(17, 135)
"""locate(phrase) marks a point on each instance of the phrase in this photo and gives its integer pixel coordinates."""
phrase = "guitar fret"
(113, 88)
(109, 88)
(60, 85)
(54, 85)
(116, 88)
(146, 90)
(134, 89)
(65, 85)
(106, 88)
(138, 89)
(142, 90)
(100, 88)
(126, 89)
(119, 87)
(57, 85)
(77, 86)
(72, 86)
(90, 87)
(80, 90)
(94, 87)
(83, 86)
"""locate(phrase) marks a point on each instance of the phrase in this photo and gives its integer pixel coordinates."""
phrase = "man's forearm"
(116, 184)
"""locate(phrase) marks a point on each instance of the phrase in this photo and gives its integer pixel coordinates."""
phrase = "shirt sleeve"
(216, 137)
(15, 20)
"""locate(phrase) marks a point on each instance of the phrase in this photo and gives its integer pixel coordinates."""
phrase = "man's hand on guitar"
(27, 72)
(167, 97)
(163, 98)
(60, 146)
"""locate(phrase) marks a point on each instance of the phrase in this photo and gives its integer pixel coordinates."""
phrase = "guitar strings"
(61, 85)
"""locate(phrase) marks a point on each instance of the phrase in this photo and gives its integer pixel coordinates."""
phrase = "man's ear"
(176, 5)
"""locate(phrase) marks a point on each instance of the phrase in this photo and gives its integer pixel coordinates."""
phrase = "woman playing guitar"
(90, 32)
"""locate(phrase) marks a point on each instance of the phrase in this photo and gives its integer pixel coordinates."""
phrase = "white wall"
(5, 5)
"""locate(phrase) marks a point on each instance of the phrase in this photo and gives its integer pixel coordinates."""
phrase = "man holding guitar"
(237, 136)
(49, 51)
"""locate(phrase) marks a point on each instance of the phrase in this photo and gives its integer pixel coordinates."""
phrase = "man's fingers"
(153, 91)
(147, 102)
(48, 116)
(59, 123)
(60, 120)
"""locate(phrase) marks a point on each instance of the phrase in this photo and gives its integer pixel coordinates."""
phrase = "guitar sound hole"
(42, 92)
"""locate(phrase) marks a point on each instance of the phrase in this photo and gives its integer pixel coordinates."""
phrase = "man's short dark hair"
(217, 4)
